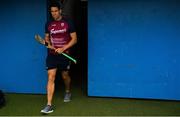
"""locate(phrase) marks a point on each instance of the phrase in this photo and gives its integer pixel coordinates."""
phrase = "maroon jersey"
(59, 32)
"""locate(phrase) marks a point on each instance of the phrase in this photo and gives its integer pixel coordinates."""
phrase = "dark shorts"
(57, 61)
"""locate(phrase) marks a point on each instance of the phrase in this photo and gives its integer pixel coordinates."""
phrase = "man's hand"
(59, 50)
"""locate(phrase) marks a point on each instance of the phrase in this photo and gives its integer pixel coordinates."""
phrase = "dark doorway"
(77, 11)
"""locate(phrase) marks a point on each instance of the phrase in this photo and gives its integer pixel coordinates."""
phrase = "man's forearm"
(72, 42)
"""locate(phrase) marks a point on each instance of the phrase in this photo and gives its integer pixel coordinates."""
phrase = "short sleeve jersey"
(59, 32)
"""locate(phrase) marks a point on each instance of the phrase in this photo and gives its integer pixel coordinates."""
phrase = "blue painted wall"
(133, 49)
(22, 59)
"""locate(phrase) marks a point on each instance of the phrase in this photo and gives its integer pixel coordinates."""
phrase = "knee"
(65, 75)
(51, 78)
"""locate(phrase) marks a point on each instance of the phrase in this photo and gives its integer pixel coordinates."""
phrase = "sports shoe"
(47, 109)
(67, 97)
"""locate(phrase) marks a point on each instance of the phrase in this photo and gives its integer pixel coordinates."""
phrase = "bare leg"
(50, 85)
(67, 80)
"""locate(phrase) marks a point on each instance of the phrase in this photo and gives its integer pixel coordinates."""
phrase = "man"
(61, 34)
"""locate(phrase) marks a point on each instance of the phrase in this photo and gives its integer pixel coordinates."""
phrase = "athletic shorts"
(57, 61)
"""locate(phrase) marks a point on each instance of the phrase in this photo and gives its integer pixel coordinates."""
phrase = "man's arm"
(72, 42)
(47, 39)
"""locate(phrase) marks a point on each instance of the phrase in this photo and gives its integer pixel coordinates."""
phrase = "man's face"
(55, 12)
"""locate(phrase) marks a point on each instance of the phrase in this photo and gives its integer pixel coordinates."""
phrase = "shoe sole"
(67, 100)
(46, 112)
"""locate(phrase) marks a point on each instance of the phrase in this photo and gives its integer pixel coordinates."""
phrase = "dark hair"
(55, 3)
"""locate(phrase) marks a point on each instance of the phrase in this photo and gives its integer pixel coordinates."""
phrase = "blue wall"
(22, 59)
(133, 49)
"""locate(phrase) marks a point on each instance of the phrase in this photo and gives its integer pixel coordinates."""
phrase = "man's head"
(55, 10)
